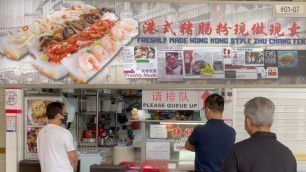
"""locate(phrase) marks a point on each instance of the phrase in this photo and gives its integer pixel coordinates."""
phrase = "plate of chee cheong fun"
(79, 45)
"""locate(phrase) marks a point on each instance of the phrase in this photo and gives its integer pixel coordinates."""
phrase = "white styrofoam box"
(89, 159)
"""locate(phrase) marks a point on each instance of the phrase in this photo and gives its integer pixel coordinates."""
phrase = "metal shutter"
(289, 118)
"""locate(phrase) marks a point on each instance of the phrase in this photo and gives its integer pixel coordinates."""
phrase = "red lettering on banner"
(183, 97)
(205, 28)
(222, 29)
(293, 30)
(258, 29)
(157, 96)
(276, 29)
(186, 27)
(176, 133)
(167, 27)
(149, 27)
(187, 132)
(170, 96)
(240, 29)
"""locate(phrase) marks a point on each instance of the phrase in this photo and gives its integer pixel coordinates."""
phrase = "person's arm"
(68, 143)
(73, 159)
(192, 140)
(189, 146)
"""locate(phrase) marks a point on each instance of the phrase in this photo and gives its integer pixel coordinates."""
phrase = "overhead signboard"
(173, 100)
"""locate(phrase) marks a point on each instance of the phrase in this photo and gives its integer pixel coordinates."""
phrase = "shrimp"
(128, 25)
(108, 44)
(119, 33)
(99, 52)
(88, 62)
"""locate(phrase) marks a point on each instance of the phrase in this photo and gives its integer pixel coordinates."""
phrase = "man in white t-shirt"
(56, 152)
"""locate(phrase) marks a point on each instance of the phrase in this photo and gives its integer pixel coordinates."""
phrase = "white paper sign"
(140, 62)
(158, 131)
(177, 147)
(10, 123)
(158, 150)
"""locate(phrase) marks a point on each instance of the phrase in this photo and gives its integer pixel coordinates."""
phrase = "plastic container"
(132, 166)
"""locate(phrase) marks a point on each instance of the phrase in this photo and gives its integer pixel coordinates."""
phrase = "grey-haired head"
(260, 110)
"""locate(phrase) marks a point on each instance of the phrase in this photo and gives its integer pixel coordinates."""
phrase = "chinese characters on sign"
(176, 100)
(222, 28)
(223, 33)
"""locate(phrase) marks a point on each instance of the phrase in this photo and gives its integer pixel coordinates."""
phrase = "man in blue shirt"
(212, 141)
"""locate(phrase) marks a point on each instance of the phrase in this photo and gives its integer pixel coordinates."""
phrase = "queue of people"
(213, 143)
(215, 151)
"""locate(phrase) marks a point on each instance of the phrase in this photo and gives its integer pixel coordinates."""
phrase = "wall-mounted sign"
(13, 100)
(83, 44)
(11, 123)
(173, 100)
(289, 9)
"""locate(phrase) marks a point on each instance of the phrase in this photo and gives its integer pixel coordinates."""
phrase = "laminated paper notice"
(158, 131)
(158, 150)
(140, 62)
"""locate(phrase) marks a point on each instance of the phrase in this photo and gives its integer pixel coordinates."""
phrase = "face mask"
(65, 119)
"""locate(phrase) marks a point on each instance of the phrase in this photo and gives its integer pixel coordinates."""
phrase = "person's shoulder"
(229, 129)
(242, 144)
(199, 127)
(283, 147)
(62, 130)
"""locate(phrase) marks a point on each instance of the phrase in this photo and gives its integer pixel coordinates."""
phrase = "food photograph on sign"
(203, 62)
(139, 62)
(77, 41)
(198, 62)
(288, 59)
(82, 42)
(32, 133)
(144, 52)
(36, 110)
(291, 62)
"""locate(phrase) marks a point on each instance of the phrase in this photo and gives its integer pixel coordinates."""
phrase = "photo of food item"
(287, 59)
(144, 52)
(197, 66)
(36, 111)
(32, 133)
(77, 42)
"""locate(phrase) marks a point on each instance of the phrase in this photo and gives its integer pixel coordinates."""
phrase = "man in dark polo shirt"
(212, 141)
(261, 152)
